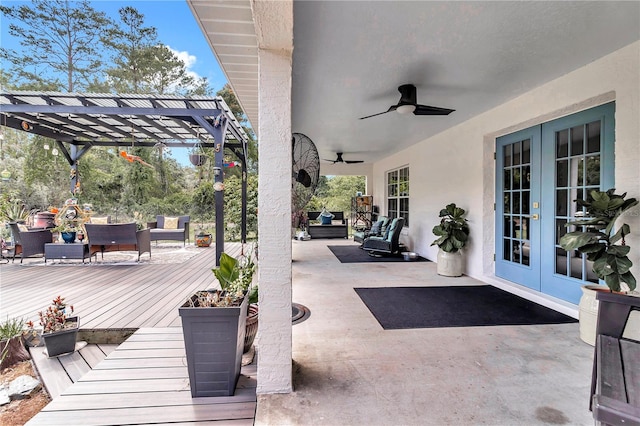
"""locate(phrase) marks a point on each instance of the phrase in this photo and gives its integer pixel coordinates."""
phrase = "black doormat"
(354, 254)
(464, 306)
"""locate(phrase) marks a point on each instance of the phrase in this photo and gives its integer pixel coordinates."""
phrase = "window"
(398, 194)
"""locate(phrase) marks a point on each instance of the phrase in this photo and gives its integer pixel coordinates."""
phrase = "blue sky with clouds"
(177, 28)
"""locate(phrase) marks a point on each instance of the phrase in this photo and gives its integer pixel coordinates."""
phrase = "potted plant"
(214, 326)
(13, 210)
(197, 157)
(67, 230)
(203, 238)
(452, 233)
(59, 329)
(12, 348)
(605, 248)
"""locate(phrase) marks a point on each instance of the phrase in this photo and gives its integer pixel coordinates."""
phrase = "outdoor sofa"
(337, 228)
(170, 228)
(117, 237)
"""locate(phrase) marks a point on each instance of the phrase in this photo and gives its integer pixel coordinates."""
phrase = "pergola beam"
(90, 120)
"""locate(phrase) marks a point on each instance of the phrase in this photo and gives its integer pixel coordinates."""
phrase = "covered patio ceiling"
(351, 56)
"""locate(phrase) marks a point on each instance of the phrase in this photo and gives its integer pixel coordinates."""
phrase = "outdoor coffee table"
(66, 251)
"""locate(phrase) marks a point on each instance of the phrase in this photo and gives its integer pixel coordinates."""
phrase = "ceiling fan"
(340, 160)
(409, 103)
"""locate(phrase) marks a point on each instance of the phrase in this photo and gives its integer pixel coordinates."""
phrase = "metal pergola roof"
(119, 120)
(124, 120)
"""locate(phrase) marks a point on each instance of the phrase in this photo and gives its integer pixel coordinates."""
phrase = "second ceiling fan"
(340, 160)
(409, 103)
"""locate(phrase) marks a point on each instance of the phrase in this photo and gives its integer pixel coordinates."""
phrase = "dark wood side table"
(66, 251)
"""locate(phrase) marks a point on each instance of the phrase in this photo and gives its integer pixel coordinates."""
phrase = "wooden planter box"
(213, 341)
(63, 341)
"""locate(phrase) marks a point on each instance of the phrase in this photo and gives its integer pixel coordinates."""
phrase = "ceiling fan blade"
(331, 161)
(430, 110)
(353, 161)
(391, 108)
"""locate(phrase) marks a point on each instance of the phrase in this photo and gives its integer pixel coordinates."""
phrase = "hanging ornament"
(131, 158)
(218, 186)
(46, 146)
(5, 175)
(54, 151)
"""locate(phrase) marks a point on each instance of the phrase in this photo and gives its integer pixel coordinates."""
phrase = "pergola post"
(243, 236)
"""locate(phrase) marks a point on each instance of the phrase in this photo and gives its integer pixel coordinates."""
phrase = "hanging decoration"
(131, 158)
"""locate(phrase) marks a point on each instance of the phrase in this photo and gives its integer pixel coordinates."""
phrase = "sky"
(177, 28)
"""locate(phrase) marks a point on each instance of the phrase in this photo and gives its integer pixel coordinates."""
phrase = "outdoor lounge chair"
(388, 243)
(170, 228)
(30, 242)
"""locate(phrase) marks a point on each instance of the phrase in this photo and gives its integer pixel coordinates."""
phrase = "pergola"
(80, 121)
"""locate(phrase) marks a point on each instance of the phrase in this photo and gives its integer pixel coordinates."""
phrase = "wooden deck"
(109, 296)
(145, 381)
(59, 373)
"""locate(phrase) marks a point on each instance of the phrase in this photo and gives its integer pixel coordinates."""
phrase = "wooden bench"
(615, 384)
(117, 237)
(339, 227)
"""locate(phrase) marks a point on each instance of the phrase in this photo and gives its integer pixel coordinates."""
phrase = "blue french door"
(540, 172)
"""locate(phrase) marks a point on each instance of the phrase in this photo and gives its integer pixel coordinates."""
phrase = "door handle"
(535, 216)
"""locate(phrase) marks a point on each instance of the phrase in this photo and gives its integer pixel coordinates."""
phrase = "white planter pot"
(588, 313)
(449, 264)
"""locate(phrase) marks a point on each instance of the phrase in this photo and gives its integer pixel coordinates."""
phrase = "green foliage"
(597, 240)
(233, 206)
(233, 275)
(12, 209)
(453, 230)
(62, 37)
(335, 193)
(11, 327)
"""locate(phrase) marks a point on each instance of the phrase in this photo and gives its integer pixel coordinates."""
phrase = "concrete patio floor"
(349, 371)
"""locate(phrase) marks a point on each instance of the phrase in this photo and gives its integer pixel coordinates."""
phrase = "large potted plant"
(605, 247)
(59, 329)
(452, 233)
(213, 326)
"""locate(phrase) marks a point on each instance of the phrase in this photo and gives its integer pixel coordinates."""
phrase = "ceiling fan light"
(406, 109)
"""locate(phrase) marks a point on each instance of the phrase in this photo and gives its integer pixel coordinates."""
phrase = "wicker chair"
(30, 242)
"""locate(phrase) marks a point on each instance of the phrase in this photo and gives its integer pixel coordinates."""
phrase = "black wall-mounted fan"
(340, 160)
(409, 103)
(305, 171)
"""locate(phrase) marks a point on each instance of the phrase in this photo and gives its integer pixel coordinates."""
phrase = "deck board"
(125, 388)
(109, 296)
(145, 379)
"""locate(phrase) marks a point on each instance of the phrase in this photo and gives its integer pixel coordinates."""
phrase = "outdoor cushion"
(170, 222)
(325, 220)
(102, 220)
(375, 228)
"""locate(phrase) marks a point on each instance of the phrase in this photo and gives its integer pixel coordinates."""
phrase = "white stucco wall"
(447, 167)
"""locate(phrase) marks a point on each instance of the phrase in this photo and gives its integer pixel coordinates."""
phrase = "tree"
(144, 65)
(60, 44)
(131, 44)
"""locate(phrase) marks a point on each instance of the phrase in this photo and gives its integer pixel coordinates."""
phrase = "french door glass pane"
(517, 197)
(577, 173)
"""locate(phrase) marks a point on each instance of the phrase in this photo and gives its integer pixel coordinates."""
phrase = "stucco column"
(274, 222)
